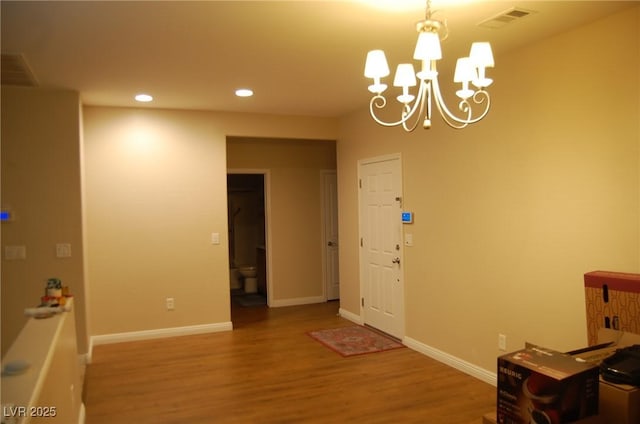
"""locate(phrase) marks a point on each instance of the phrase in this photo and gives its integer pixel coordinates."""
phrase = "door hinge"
(361, 242)
(362, 301)
(360, 183)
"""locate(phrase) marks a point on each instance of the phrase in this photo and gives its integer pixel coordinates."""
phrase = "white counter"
(49, 390)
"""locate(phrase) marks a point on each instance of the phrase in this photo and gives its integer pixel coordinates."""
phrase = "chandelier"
(468, 70)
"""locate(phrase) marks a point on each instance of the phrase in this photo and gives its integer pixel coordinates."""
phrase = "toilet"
(250, 281)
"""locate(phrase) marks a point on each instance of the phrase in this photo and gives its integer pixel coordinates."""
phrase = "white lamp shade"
(376, 65)
(428, 47)
(481, 54)
(465, 71)
(405, 76)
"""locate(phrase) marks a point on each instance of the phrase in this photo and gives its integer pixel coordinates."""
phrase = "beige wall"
(295, 209)
(155, 187)
(41, 187)
(511, 213)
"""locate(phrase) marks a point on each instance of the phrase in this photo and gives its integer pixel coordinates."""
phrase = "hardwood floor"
(267, 370)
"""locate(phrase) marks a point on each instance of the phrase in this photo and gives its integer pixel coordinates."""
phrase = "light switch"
(63, 250)
(12, 253)
(215, 238)
(408, 239)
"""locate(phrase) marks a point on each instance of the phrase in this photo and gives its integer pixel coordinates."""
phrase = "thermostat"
(407, 217)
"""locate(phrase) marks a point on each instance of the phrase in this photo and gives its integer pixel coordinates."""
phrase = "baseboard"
(157, 334)
(452, 361)
(350, 316)
(296, 301)
(82, 414)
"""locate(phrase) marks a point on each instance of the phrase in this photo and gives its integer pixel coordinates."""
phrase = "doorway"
(246, 208)
(381, 281)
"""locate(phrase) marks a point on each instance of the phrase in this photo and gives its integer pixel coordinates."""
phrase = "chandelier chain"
(427, 13)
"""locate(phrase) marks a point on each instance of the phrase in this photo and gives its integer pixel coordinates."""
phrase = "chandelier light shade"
(470, 72)
(376, 68)
(428, 47)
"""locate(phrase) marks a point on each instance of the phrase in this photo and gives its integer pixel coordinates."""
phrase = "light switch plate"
(408, 239)
(13, 253)
(63, 250)
(215, 238)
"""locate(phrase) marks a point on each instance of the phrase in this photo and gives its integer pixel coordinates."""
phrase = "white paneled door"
(382, 286)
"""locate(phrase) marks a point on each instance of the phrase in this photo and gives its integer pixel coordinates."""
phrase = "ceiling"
(301, 57)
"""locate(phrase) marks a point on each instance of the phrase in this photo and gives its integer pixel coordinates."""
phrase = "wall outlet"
(502, 342)
(171, 304)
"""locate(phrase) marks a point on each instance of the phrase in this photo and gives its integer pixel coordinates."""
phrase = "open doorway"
(247, 238)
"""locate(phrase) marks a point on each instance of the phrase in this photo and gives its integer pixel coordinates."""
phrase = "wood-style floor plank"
(268, 370)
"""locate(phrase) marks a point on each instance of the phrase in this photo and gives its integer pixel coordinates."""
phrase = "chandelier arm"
(448, 117)
(379, 102)
(452, 120)
(481, 96)
(409, 115)
(379, 105)
(424, 97)
(419, 101)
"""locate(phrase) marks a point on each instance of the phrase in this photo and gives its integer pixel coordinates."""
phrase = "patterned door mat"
(354, 340)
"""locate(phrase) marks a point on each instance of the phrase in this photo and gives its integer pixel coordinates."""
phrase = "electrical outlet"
(171, 304)
(502, 342)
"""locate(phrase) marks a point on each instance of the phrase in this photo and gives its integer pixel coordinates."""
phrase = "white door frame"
(267, 225)
(361, 163)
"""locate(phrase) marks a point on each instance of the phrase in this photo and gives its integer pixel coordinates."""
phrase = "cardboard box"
(612, 301)
(619, 403)
(542, 386)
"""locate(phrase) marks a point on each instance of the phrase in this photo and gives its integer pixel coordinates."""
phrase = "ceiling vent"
(15, 71)
(505, 18)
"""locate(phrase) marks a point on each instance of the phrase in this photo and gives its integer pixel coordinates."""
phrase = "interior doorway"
(247, 218)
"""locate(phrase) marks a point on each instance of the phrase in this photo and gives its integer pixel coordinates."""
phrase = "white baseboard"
(350, 316)
(156, 334)
(440, 356)
(85, 358)
(296, 301)
(454, 362)
(82, 414)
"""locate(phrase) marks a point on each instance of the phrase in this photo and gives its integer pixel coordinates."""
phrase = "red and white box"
(612, 301)
(538, 385)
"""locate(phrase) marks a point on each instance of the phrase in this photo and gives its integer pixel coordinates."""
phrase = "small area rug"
(354, 340)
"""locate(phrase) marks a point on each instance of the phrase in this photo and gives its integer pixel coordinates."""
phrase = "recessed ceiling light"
(144, 98)
(244, 92)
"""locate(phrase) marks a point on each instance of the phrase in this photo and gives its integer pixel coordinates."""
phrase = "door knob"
(396, 261)
(331, 243)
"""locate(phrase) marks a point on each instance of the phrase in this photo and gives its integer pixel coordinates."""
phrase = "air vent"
(507, 17)
(15, 71)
